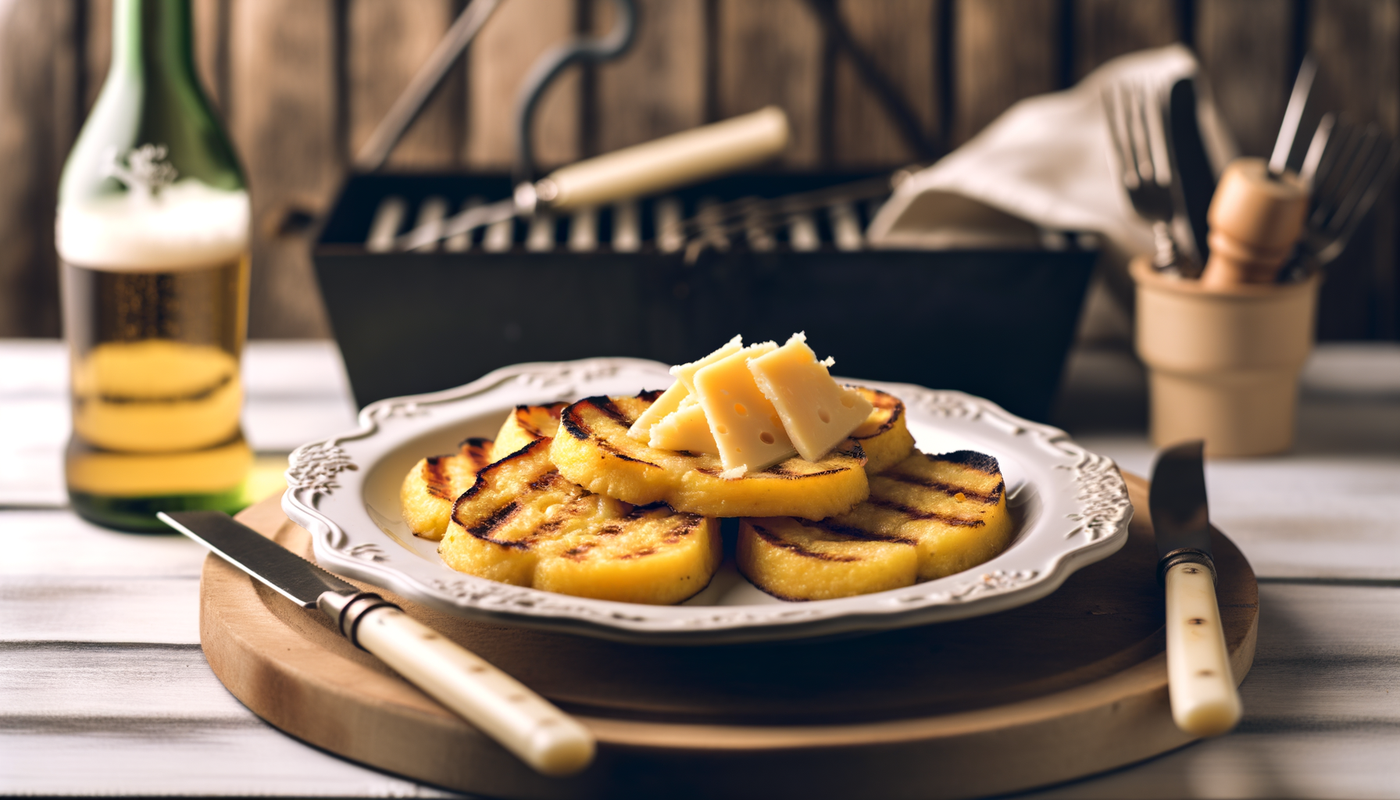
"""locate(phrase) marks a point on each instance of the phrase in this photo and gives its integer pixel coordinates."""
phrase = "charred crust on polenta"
(524, 418)
(990, 499)
(915, 513)
(610, 410)
(477, 450)
(573, 424)
(497, 518)
(484, 476)
(797, 549)
(610, 449)
(436, 478)
(882, 401)
(971, 459)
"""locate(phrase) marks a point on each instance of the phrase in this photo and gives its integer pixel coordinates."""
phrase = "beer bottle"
(152, 236)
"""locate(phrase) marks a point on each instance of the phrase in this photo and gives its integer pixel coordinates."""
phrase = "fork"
(1348, 165)
(1142, 161)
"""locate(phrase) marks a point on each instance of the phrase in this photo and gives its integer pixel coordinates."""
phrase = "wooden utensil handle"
(503, 708)
(1255, 220)
(1204, 699)
(668, 162)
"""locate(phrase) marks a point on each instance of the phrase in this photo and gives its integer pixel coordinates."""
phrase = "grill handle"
(424, 85)
(586, 49)
(669, 162)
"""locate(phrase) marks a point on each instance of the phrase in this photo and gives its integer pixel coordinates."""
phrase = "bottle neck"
(152, 37)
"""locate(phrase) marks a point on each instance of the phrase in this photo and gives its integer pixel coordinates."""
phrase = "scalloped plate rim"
(347, 540)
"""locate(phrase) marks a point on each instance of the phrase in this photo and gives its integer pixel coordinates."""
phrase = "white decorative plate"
(1071, 509)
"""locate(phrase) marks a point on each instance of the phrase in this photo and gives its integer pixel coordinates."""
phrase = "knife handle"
(1204, 699)
(503, 708)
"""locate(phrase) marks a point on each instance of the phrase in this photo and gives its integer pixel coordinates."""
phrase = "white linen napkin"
(1042, 165)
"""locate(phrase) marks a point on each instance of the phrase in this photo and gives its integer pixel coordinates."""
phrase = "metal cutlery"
(1292, 116)
(503, 708)
(1142, 160)
(1195, 184)
(1352, 166)
(1204, 699)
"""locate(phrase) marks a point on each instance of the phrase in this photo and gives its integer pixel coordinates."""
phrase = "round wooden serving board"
(1065, 687)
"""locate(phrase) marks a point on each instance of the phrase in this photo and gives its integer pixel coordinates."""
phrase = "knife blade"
(1197, 180)
(1204, 699)
(1293, 116)
(502, 707)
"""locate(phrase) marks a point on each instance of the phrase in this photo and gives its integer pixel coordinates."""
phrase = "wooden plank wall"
(302, 84)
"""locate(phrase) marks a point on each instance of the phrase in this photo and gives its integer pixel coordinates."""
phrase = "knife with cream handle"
(648, 168)
(1204, 699)
(503, 708)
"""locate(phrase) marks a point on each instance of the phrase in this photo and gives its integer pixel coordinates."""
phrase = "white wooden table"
(104, 689)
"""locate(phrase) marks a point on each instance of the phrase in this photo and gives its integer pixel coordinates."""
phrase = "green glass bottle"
(152, 235)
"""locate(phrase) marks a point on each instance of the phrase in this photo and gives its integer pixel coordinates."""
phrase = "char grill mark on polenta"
(852, 532)
(599, 454)
(436, 477)
(571, 423)
(608, 407)
(797, 548)
(884, 436)
(916, 513)
(990, 498)
(430, 487)
(615, 453)
(527, 424)
(889, 410)
(524, 523)
(526, 420)
(940, 514)
(971, 459)
(483, 529)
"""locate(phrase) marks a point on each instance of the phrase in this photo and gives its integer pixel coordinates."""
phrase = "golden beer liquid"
(156, 391)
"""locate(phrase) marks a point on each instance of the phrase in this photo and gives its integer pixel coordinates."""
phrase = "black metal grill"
(610, 283)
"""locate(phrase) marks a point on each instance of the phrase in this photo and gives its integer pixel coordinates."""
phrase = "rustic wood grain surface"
(104, 689)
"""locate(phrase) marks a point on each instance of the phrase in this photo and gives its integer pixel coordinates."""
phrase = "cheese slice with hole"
(817, 413)
(686, 429)
(747, 429)
(670, 400)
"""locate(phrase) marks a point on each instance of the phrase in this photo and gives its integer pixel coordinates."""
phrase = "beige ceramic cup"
(1223, 365)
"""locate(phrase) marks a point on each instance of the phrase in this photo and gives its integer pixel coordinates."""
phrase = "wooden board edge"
(368, 715)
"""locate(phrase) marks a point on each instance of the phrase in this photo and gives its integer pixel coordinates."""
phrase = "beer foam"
(188, 225)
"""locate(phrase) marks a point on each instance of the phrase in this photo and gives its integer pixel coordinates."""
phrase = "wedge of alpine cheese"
(747, 429)
(816, 412)
(670, 400)
(685, 429)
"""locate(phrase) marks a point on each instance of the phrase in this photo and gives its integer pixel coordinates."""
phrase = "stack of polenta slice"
(569, 499)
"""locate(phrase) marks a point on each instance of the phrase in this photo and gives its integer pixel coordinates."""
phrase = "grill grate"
(635, 226)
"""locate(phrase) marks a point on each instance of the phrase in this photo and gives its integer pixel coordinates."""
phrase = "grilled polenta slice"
(526, 424)
(926, 517)
(428, 490)
(797, 559)
(594, 450)
(523, 523)
(884, 436)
